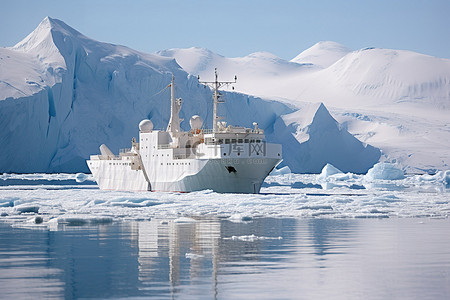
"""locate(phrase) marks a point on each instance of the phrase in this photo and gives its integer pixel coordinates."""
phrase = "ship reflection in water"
(217, 258)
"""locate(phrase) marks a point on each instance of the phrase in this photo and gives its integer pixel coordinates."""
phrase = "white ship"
(226, 159)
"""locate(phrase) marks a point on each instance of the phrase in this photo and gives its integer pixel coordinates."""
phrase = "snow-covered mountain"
(63, 94)
(322, 54)
(396, 100)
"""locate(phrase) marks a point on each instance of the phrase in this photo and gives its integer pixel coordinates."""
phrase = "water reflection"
(216, 258)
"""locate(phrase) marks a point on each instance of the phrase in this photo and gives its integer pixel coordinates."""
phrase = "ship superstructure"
(223, 159)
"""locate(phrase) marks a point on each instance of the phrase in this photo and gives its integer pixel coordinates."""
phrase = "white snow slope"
(63, 94)
(396, 100)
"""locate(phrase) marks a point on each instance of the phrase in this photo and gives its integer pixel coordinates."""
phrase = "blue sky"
(239, 27)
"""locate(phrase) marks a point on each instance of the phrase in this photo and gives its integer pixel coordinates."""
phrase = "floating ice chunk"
(80, 177)
(442, 176)
(282, 171)
(27, 208)
(301, 185)
(8, 202)
(184, 220)
(384, 171)
(252, 238)
(193, 256)
(328, 170)
(447, 177)
(80, 220)
(316, 207)
(237, 218)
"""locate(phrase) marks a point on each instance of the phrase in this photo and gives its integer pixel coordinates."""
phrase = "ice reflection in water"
(216, 258)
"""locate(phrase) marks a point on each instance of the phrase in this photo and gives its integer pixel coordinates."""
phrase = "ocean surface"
(213, 258)
(303, 237)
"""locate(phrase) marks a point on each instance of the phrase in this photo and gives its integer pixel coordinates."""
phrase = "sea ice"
(294, 195)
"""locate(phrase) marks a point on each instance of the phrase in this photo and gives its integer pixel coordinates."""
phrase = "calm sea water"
(217, 259)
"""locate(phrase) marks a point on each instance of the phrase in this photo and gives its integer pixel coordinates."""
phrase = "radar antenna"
(216, 85)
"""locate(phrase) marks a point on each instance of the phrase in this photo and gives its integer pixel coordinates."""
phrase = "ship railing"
(105, 157)
(124, 150)
(183, 156)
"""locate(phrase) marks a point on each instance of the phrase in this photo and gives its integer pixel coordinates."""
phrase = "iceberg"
(313, 138)
(328, 170)
(384, 171)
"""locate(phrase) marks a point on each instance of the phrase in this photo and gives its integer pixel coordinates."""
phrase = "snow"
(92, 93)
(322, 54)
(337, 195)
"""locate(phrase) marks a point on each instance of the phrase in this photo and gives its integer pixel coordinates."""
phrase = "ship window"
(224, 154)
(161, 164)
(252, 141)
(240, 141)
(258, 141)
(246, 141)
(220, 141)
(227, 141)
(233, 141)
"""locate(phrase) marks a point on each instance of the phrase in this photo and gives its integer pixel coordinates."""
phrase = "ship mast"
(216, 85)
(175, 106)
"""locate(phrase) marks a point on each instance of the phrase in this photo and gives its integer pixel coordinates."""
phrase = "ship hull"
(243, 175)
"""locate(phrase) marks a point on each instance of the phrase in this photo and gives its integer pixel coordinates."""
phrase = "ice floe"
(285, 194)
